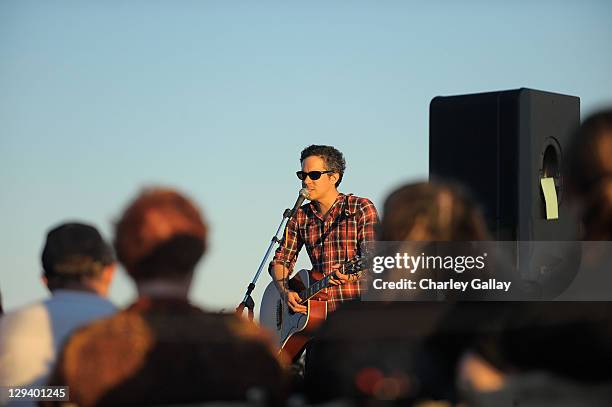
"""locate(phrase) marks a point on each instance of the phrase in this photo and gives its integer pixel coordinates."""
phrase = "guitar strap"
(347, 215)
(345, 212)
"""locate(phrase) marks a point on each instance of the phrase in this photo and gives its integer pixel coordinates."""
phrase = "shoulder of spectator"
(247, 329)
(22, 317)
(91, 343)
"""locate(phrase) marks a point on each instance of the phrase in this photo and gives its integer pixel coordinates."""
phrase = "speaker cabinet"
(500, 145)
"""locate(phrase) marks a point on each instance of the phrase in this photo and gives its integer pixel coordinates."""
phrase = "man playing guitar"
(332, 227)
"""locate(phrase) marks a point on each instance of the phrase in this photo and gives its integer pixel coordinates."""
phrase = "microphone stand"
(248, 300)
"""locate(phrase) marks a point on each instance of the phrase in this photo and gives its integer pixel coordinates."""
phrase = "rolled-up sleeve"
(290, 245)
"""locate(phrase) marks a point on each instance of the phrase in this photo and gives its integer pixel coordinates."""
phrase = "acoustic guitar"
(292, 330)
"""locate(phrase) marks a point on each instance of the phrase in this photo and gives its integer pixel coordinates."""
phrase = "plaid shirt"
(329, 241)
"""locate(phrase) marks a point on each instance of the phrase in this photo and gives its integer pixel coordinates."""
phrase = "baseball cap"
(73, 249)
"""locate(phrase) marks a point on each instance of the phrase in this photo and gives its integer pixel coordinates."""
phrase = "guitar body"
(291, 330)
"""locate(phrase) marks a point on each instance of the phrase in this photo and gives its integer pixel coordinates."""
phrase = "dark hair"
(161, 234)
(588, 173)
(334, 160)
(444, 211)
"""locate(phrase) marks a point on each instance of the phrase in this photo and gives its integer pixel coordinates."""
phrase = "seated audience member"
(559, 353)
(162, 349)
(382, 351)
(78, 268)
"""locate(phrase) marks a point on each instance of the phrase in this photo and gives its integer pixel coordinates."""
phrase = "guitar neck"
(314, 289)
(323, 283)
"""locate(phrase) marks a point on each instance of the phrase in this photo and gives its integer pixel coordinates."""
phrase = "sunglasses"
(314, 175)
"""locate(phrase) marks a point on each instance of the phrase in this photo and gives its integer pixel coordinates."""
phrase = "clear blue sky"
(217, 98)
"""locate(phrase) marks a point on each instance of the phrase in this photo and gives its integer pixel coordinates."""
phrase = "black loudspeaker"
(500, 144)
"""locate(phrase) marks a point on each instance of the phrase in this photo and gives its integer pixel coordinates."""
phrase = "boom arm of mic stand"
(247, 301)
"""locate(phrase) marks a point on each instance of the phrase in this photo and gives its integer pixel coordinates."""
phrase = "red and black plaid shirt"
(329, 241)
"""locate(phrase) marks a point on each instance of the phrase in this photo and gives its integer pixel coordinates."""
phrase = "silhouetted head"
(588, 174)
(160, 236)
(429, 211)
(75, 256)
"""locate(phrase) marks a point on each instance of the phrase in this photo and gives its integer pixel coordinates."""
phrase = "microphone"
(300, 200)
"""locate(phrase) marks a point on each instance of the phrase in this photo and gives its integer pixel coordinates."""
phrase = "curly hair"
(334, 160)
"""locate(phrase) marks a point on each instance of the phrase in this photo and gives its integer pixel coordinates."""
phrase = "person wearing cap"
(78, 266)
(162, 349)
